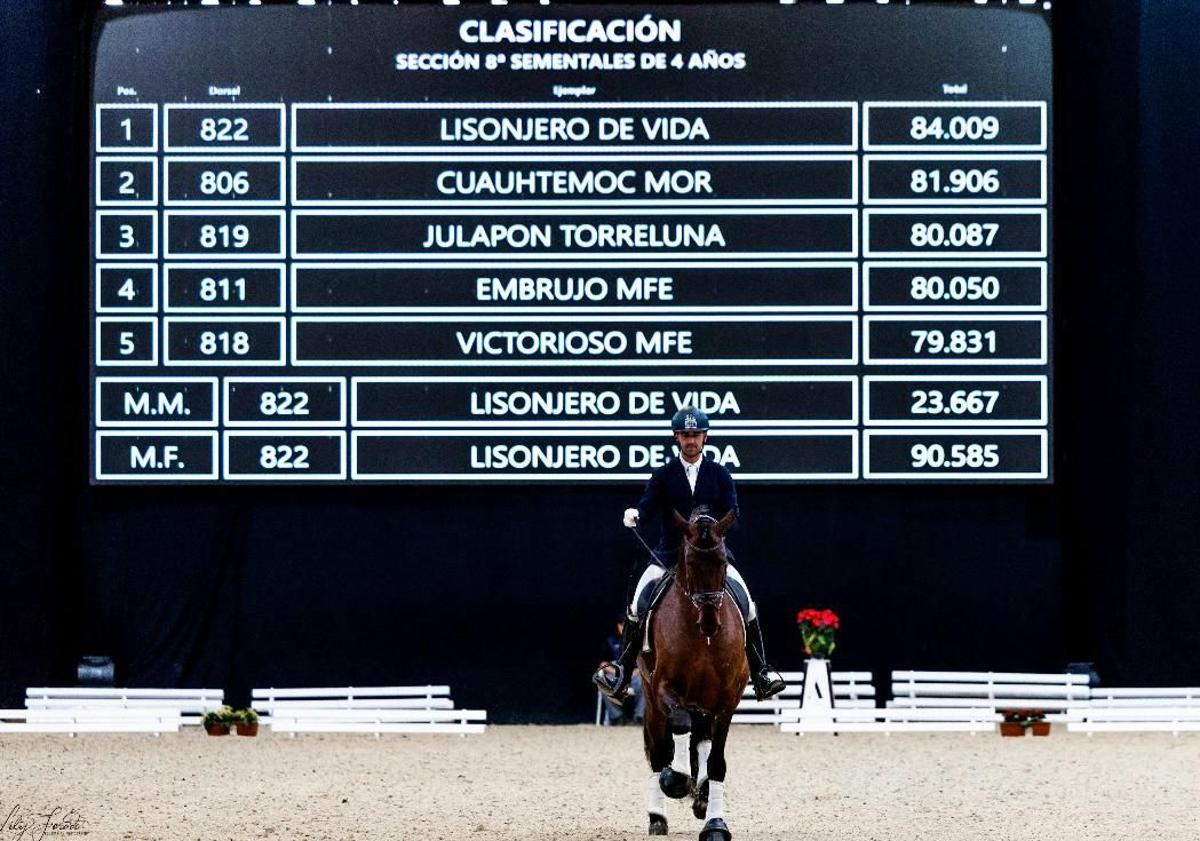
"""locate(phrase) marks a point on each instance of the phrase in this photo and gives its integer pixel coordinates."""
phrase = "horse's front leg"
(675, 780)
(660, 749)
(701, 748)
(714, 815)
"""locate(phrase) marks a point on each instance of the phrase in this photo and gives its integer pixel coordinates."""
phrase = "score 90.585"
(938, 456)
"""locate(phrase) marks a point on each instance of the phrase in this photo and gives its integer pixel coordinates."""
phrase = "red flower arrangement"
(817, 628)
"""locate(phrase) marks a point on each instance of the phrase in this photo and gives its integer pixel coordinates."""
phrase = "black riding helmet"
(689, 419)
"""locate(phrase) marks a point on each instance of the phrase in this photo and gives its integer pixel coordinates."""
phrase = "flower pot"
(217, 729)
(1040, 728)
(1011, 728)
(247, 729)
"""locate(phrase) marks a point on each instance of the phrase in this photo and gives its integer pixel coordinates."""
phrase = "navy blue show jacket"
(668, 491)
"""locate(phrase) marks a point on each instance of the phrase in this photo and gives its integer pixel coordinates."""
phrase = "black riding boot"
(767, 681)
(616, 685)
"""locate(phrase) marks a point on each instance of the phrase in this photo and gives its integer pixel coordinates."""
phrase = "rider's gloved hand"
(631, 518)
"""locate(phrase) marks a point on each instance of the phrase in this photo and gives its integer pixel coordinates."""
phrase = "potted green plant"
(216, 722)
(1016, 722)
(817, 629)
(246, 722)
(1012, 725)
(1038, 726)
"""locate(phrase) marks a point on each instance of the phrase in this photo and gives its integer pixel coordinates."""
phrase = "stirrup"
(767, 684)
(615, 688)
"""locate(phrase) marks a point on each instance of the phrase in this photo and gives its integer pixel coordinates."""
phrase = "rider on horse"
(681, 485)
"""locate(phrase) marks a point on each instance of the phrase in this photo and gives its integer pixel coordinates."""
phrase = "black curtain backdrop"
(508, 594)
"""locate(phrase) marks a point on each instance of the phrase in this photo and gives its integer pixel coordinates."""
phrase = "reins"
(705, 598)
(646, 545)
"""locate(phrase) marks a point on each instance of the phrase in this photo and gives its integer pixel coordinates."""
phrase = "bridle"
(705, 598)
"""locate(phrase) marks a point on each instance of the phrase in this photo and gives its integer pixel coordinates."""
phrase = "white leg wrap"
(731, 572)
(702, 751)
(656, 801)
(652, 573)
(682, 761)
(716, 800)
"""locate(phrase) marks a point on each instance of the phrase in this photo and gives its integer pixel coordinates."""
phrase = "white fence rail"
(1055, 693)
(73, 721)
(1133, 709)
(851, 690)
(191, 704)
(365, 709)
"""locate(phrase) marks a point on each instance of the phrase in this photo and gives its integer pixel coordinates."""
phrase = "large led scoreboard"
(475, 243)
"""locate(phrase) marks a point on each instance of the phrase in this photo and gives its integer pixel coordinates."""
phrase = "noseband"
(715, 598)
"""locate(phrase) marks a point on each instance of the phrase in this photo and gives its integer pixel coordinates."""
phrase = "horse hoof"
(658, 825)
(674, 784)
(715, 830)
(700, 801)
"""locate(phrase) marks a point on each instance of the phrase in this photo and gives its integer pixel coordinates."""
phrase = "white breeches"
(654, 572)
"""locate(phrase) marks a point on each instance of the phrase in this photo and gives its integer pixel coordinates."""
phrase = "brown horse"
(694, 679)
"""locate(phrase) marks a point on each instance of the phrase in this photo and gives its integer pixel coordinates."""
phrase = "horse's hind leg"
(676, 779)
(659, 750)
(714, 815)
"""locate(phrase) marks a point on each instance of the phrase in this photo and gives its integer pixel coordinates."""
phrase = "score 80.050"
(957, 288)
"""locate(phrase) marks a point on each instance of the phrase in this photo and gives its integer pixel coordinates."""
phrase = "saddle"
(652, 596)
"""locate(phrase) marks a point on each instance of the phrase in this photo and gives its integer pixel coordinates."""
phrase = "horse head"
(703, 563)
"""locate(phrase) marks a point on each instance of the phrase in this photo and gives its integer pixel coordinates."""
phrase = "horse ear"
(725, 523)
(681, 522)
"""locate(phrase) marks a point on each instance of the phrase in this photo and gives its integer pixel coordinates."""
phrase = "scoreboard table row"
(527, 288)
(546, 402)
(567, 180)
(587, 126)
(421, 455)
(548, 234)
(557, 340)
